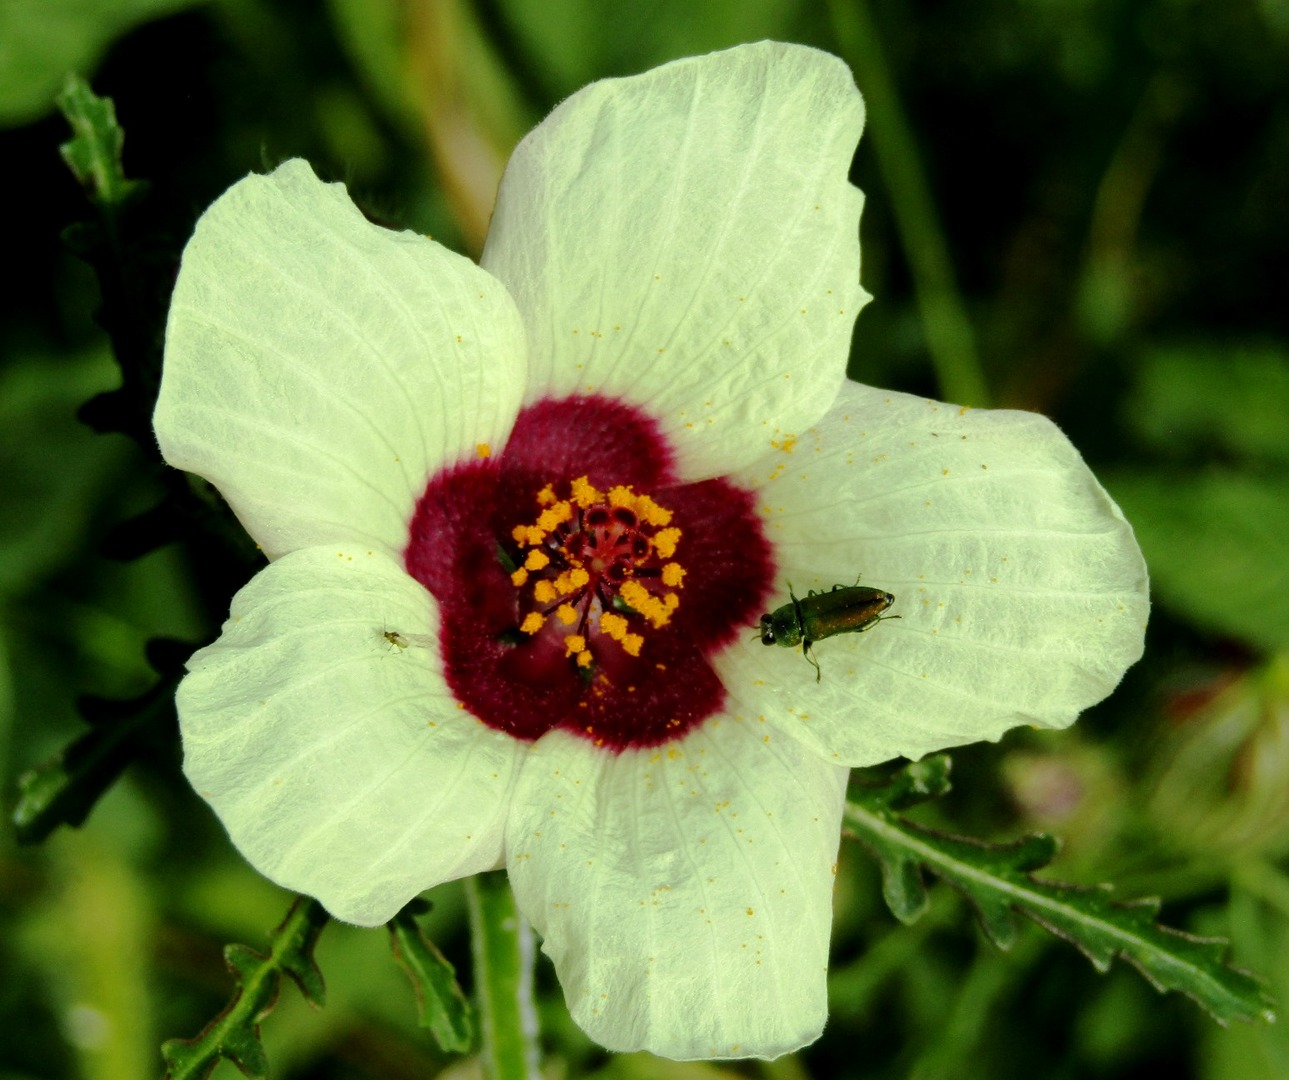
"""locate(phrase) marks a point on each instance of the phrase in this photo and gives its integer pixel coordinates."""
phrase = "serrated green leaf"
(440, 1004)
(914, 783)
(94, 151)
(903, 888)
(63, 790)
(133, 266)
(998, 882)
(235, 1034)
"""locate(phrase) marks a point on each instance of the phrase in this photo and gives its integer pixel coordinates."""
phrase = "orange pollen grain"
(528, 535)
(614, 625)
(584, 494)
(665, 541)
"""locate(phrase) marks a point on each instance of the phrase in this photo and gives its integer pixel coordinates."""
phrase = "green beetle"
(843, 609)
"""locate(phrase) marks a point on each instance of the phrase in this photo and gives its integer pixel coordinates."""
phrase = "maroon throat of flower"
(580, 586)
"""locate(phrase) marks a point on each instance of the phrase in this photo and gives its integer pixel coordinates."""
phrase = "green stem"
(503, 975)
(949, 335)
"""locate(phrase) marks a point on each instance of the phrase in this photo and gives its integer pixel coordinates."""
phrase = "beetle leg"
(805, 651)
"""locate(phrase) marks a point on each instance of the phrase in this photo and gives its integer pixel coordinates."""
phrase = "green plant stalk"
(949, 336)
(502, 944)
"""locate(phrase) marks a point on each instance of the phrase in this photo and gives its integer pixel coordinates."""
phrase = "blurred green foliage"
(1107, 213)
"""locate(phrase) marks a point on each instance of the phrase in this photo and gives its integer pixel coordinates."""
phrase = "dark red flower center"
(581, 586)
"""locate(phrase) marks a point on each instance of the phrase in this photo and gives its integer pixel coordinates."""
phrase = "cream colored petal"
(684, 893)
(319, 368)
(320, 730)
(687, 240)
(1021, 591)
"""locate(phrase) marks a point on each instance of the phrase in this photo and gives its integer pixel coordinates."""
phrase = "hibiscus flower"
(522, 518)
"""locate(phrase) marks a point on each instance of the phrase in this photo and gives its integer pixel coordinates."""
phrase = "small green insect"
(843, 609)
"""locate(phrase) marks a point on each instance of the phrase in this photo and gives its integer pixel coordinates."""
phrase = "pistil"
(597, 565)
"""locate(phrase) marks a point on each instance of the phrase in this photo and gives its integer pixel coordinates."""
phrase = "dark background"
(1074, 206)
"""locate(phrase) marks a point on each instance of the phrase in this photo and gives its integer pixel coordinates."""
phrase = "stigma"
(595, 569)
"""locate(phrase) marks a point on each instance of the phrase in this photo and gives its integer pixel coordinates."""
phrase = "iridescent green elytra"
(843, 609)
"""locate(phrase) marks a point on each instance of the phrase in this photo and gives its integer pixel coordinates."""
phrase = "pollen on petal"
(657, 611)
(546, 496)
(532, 623)
(483, 450)
(571, 580)
(651, 513)
(528, 535)
(613, 625)
(584, 494)
(665, 541)
(622, 496)
(554, 515)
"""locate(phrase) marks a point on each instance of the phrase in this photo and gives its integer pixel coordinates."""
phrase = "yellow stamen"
(584, 659)
(584, 494)
(544, 591)
(518, 578)
(573, 644)
(657, 611)
(571, 580)
(673, 575)
(532, 623)
(665, 541)
(651, 513)
(567, 614)
(554, 515)
(537, 560)
(546, 496)
(614, 625)
(528, 535)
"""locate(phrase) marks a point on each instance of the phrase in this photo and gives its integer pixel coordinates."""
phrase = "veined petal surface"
(688, 240)
(684, 893)
(1021, 591)
(318, 368)
(320, 729)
